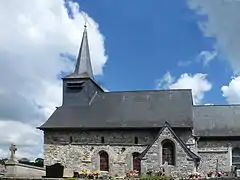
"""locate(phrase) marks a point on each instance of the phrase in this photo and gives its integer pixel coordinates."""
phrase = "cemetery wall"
(23, 170)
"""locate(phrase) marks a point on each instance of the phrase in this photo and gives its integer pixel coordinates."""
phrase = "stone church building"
(140, 130)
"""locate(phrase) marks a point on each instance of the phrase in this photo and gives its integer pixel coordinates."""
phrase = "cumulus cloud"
(36, 37)
(222, 23)
(232, 91)
(198, 83)
(28, 139)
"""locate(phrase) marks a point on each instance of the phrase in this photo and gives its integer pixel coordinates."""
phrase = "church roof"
(217, 120)
(133, 109)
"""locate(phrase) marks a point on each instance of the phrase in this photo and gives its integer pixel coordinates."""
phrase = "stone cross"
(13, 149)
(167, 169)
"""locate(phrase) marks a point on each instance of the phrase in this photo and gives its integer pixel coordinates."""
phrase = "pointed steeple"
(84, 66)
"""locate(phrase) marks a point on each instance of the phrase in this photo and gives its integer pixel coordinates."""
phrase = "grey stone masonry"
(83, 152)
(216, 155)
(78, 150)
(86, 157)
(153, 158)
(126, 137)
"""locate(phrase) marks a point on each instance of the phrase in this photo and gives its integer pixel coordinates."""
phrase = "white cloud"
(184, 63)
(207, 56)
(222, 22)
(208, 104)
(197, 82)
(32, 36)
(232, 91)
(27, 138)
(165, 81)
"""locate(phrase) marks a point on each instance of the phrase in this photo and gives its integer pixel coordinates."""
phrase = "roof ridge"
(153, 90)
(216, 105)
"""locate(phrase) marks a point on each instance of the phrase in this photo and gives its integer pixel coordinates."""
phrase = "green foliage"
(2, 161)
(39, 162)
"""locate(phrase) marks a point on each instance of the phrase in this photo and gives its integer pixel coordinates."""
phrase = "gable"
(167, 133)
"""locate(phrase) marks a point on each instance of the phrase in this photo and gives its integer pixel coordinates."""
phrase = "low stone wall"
(17, 178)
(23, 170)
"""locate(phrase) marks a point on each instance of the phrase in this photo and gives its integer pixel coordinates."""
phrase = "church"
(137, 130)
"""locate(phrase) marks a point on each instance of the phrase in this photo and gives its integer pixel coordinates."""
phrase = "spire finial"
(85, 25)
(83, 65)
(85, 21)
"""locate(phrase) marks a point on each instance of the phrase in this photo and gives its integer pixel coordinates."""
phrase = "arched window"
(236, 156)
(168, 152)
(136, 140)
(104, 161)
(136, 161)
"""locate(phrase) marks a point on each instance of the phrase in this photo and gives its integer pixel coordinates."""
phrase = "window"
(136, 140)
(136, 162)
(71, 139)
(102, 140)
(104, 161)
(236, 156)
(168, 152)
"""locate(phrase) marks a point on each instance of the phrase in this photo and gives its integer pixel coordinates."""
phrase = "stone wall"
(78, 150)
(216, 154)
(79, 157)
(83, 152)
(23, 170)
(125, 137)
(153, 158)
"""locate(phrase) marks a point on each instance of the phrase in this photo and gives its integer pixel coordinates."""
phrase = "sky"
(134, 45)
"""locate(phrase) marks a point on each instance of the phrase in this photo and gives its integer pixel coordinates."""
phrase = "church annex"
(140, 130)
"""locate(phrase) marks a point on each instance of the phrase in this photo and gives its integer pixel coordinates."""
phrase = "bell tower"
(80, 87)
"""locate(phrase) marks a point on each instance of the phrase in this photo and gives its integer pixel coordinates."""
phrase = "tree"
(39, 162)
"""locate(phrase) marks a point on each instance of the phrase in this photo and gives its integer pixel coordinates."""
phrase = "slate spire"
(83, 65)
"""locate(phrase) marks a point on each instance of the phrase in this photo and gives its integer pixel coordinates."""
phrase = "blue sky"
(145, 39)
(150, 44)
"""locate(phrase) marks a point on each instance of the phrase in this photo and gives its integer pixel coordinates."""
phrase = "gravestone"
(54, 171)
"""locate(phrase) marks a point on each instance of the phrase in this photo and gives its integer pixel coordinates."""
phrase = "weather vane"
(85, 19)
